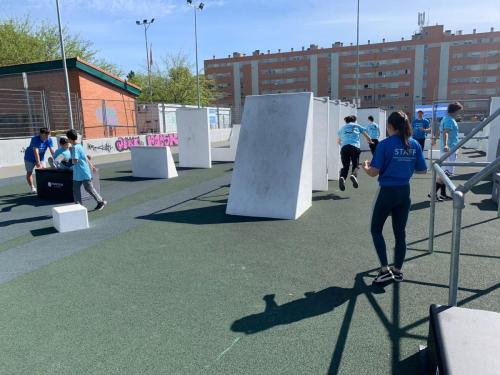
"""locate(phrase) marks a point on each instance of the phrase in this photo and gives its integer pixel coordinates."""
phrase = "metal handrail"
(458, 200)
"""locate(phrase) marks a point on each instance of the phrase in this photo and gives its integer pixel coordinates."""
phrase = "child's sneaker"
(100, 205)
(33, 190)
(437, 199)
(354, 181)
(397, 275)
(342, 183)
(383, 277)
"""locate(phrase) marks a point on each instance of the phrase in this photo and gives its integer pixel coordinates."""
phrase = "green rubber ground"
(189, 290)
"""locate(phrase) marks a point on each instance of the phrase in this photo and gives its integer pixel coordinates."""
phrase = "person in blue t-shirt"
(421, 126)
(62, 156)
(82, 171)
(35, 154)
(374, 133)
(448, 130)
(349, 141)
(396, 159)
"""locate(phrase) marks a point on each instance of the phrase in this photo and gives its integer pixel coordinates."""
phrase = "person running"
(448, 130)
(35, 154)
(62, 156)
(82, 174)
(349, 141)
(374, 134)
(421, 126)
(396, 159)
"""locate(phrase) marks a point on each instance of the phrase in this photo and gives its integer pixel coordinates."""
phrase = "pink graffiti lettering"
(161, 140)
(124, 143)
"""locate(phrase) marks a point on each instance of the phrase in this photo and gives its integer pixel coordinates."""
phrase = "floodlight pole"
(146, 25)
(65, 68)
(196, 53)
(358, 101)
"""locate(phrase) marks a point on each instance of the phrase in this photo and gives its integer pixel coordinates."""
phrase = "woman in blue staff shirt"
(349, 141)
(396, 159)
(421, 127)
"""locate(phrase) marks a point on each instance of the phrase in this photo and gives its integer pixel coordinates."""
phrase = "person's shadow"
(313, 304)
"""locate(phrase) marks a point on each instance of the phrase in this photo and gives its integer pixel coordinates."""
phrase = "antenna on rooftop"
(421, 20)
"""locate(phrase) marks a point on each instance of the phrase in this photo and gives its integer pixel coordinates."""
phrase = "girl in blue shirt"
(349, 141)
(396, 159)
(374, 133)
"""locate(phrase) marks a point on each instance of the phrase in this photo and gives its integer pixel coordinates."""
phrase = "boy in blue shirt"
(82, 174)
(395, 161)
(448, 130)
(349, 141)
(421, 126)
(62, 156)
(35, 154)
(374, 133)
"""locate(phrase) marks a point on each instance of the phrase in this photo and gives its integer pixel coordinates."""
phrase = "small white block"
(436, 154)
(70, 218)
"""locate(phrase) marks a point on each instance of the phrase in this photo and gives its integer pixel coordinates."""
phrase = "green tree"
(172, 81)
(23, 42)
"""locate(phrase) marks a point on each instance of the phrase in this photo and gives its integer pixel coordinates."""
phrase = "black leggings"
(422, 143)
(349, 154)
(394, 201)
(373, 145)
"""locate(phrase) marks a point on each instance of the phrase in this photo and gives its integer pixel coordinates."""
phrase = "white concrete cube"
(433, 154)
(193, 131)
(272, 174)
(227, 153)
(70, 218)
(152, 162)
(493, 131)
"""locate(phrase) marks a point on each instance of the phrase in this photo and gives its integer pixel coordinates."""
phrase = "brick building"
(103, 104)
(434, 64)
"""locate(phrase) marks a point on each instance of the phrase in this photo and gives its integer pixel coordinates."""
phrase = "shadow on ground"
(333, 197)
(8, 202)
(200, 216)
(6, 223)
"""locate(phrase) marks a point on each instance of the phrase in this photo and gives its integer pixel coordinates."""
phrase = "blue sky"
(226, 26)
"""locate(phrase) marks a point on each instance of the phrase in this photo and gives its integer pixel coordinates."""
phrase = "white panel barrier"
(152, 162)
(272, 174)
(380, 118)
(70, 218)
(333, 147)
(320, 144)
(193, 131)
(227, 153)
(493, 131)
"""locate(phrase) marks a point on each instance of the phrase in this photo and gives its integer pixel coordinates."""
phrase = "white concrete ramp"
(227, 153)
(272, 174)
(333, 147)
(193, 132)
(493, 131)
(152, 162)
(320, 144)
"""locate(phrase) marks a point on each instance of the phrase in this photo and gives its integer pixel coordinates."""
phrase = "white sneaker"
(33, 190)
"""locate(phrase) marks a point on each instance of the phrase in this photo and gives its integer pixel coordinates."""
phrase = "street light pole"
(195, 8)
(358, 101)
(146, 25)
(65, 68)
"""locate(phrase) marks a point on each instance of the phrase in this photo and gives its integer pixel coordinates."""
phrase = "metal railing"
(458, 199)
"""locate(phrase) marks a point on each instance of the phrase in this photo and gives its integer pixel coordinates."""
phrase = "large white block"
(193, 131)
(227, 153)
(493, 131)
(320, 144)
(380, 118)
(333, 147)
(152, 162)
(272, 174)
(70, 218)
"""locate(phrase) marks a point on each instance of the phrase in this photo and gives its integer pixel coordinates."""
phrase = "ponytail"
(400, 122)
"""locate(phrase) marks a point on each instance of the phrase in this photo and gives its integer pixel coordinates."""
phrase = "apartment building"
(434, 64)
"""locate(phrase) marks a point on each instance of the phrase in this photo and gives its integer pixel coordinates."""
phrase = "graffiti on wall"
(124, 143)
(109, 117)
(107, 147)
(161, 140)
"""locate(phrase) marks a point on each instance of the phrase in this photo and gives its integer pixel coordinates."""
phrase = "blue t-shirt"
(418, 126)
(36, 142)
(81, 170)
(373, 130)
(349, 134)
(451, 125)
(397, 163)
(65, 155)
